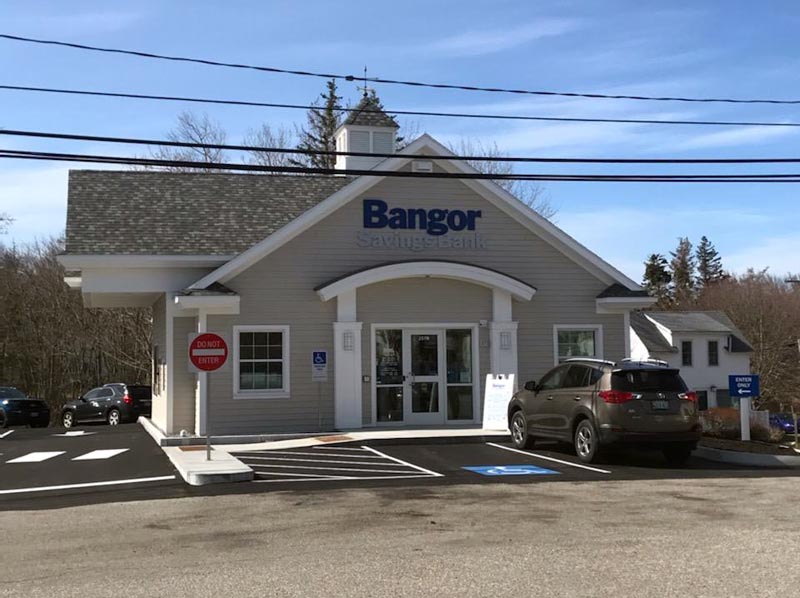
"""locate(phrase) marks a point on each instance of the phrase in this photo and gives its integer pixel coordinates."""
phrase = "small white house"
(705, 345)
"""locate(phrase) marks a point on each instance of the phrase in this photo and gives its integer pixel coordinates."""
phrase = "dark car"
(594, 404)
(782, 421)
(114, 403)
(17, 409)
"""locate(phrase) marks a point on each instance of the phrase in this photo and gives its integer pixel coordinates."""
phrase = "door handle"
(576, 399)
(550, 398)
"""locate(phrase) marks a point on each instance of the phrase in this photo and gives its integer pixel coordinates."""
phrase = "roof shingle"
(369, 113)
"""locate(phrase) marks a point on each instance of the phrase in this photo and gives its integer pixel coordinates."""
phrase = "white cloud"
(479, 43)
(733, 137)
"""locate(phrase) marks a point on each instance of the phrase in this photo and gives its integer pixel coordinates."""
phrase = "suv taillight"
(615, 396)
(127, 399)
(688, 396)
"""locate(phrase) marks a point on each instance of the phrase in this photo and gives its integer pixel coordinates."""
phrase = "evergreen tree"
(682, 268)
(657, 278)
(319, 133)
(709, 263)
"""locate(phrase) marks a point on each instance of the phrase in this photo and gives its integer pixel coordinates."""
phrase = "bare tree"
(528, 192)
(265, 136)
(192, 128)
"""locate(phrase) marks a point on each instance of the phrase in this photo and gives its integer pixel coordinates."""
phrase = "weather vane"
(365, 89)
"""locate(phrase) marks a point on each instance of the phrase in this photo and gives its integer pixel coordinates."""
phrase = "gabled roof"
(616, 290)
(369, 113)
(487, 189)
(168, 213)
(644, 323)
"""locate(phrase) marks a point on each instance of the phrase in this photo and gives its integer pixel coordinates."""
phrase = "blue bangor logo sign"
(435, 222)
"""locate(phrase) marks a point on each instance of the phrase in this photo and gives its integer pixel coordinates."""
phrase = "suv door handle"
(550, 398)
(576, 399)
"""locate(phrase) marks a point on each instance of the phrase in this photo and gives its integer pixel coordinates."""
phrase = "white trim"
(77, 262)
(444, 327)
(626, 322)
(210, 304)
(348, 409)
(452, 270)
(598, 338)
(169, 316)
(283, 393)
(73, 282)
(487, 189)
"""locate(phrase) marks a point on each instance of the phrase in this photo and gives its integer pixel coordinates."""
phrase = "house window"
(261, 362)
(686, 353)
(713, 352)
(577, 341)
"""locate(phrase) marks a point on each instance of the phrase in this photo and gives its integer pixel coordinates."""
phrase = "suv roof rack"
(642, 362)
(590, 359)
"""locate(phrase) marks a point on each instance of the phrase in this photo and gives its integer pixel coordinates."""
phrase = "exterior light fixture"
(348, 341)
(505, 341)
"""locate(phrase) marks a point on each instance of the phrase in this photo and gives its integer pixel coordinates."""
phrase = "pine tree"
(319, 133)
(682, 268)
(709, 263)
(657, 278)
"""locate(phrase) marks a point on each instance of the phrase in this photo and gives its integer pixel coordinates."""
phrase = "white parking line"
(384, 477)
(316, 476)
(37, 457)
(89, 485)
(337, 448)
(328, 468)
(100, 454)
(265, 458)
(4, 434)
(317, 455)
(406, 463)
(513, 450)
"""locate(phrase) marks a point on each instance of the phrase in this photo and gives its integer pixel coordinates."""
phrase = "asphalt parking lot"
(89, 463)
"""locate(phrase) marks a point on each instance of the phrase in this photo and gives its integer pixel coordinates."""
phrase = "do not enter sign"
(208, 352)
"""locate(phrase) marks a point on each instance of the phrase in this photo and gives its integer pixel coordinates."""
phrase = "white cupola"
(367, 129)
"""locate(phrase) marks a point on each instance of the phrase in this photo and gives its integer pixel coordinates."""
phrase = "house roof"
(649, 334)
(369, 113)
(617, 290)
(168, 213)
(689, 321)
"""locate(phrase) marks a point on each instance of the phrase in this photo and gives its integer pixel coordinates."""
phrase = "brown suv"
(594, 404)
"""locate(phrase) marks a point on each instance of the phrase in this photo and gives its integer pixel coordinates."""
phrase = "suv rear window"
(643, 380)
(140, 392)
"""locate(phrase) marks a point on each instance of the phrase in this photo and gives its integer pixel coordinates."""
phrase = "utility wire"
(297, 170)
(473, 115)
(269, 69)
(286, 150)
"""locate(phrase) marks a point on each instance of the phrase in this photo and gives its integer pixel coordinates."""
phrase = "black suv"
(113, 403)
(593, 404)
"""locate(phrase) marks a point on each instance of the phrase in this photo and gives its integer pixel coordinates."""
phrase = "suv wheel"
(678, 454)
(519, 431)
(114, 417)
(586, 442)
(68, 419)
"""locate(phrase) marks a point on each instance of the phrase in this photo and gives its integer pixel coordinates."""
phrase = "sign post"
(744, 387)
(319, 374)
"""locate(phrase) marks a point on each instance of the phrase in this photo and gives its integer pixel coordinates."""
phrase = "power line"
(286, 150)
(270, 69)
(435, 114)
(295, 170)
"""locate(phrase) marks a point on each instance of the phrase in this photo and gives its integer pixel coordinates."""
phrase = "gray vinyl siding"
(279, 290)
(159, 339)
(184, 382)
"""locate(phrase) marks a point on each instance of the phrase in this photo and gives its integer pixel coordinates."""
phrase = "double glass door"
(423, 376)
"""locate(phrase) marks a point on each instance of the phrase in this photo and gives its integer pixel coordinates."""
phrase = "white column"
(347, 375)
(171, 363)
(503, 336)
(201, 398)
(626, 322)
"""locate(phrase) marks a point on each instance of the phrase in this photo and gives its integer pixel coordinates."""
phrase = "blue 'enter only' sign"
(744, 386)
(493, 470)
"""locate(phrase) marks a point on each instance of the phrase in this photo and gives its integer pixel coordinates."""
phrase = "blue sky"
(688, 48)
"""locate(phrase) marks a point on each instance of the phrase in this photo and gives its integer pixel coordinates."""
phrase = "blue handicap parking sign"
(320, 357)
(496, 470)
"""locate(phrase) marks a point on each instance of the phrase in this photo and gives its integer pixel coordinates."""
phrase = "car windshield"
(11, 393)
(644, 380)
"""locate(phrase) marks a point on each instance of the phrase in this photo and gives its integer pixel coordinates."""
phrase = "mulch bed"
(763, 448)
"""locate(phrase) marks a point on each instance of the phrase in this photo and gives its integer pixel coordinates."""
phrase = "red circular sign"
(208, 352)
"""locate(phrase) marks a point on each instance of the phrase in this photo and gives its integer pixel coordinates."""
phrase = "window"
(577, 341)
(261, 362)
(554, 378)
(458, 345)
(686, 353)
(577, 377)
(713, 352)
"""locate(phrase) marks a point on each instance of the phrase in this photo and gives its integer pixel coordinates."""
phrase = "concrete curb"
(192, 465)
(749, 459)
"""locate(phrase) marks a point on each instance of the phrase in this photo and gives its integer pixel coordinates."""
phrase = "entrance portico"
(413, 365)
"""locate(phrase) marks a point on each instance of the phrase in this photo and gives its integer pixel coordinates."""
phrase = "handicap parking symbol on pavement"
(497, 470)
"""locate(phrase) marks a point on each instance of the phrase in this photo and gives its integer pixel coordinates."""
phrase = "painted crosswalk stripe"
(36, 457)
(100, 454)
